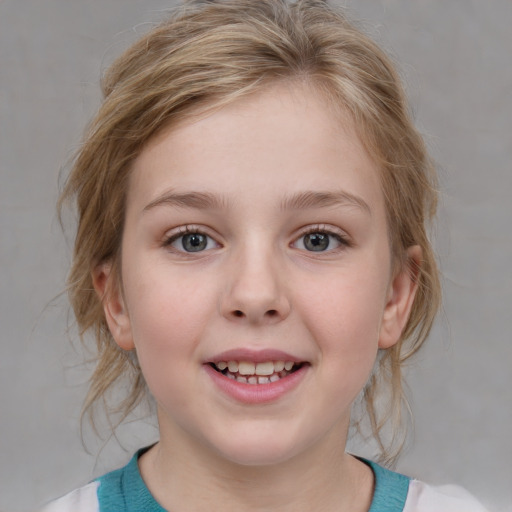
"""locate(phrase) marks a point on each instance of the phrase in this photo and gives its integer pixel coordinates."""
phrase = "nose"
(256, 291)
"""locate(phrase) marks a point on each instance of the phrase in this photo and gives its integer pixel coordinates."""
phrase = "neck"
(186, 476)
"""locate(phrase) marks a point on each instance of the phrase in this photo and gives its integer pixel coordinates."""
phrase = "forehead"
(275, 141)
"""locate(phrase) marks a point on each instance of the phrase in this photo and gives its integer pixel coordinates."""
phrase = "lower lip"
(257, 393)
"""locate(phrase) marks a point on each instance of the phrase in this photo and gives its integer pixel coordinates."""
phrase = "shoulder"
(447, 498)
(84, 499)
(396, 492)
(119, 490)
(106, 493)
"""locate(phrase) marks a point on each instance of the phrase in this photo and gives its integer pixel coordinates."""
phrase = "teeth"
(266, 368)
(245, 368)
(279, 366)
(247, 372)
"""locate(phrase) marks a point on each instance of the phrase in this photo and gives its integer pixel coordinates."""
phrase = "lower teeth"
(256, 379)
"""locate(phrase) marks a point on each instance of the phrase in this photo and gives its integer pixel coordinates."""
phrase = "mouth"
(247, 372)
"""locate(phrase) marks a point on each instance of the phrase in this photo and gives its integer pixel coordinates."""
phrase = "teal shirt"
(124, 490)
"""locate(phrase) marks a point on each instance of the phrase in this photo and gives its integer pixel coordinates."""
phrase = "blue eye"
(191, 242)
(319, 241)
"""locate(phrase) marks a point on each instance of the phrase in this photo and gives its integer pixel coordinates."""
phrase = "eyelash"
(340, 237)
(182, 231)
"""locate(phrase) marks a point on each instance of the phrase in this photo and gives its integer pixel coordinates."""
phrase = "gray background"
(456, 58)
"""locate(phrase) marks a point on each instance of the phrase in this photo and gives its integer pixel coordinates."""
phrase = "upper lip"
(255, 356)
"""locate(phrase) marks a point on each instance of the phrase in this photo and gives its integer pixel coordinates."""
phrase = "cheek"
(168, 317)
(344, 315)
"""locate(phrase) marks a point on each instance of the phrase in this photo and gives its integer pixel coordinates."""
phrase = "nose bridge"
(256, 291)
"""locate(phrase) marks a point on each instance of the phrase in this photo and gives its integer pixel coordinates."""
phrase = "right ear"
(108, 290)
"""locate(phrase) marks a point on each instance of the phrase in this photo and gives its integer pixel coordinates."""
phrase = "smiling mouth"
(248, 372)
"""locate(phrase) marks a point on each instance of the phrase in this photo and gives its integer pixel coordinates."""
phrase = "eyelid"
(323, 228)
(342, 237)
(171, 236)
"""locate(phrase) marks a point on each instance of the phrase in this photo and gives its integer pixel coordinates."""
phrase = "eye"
(320, 241)
(191, 241)
(316, 241)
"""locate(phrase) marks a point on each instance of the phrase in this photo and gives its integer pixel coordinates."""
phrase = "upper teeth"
(249, 368)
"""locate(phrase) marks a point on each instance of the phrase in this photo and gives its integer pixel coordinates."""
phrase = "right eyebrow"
(199, 200)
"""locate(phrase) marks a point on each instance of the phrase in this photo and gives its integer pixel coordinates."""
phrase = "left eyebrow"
(198, 200)
(318, 199)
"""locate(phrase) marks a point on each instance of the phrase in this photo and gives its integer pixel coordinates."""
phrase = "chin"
(258, 451)
(257, 458)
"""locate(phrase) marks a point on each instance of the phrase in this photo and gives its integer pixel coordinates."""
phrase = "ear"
(108, 290)
(402, 291)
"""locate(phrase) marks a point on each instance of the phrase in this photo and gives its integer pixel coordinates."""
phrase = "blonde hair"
(208, 54)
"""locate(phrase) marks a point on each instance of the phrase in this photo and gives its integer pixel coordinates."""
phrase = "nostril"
(271, 312)
(238, 313)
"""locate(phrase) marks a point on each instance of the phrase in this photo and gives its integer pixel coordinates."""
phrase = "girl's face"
(257, 280)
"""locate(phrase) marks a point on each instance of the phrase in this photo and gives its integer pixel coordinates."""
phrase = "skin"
(257, 286)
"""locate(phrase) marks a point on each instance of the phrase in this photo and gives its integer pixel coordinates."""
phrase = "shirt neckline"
(390, 491)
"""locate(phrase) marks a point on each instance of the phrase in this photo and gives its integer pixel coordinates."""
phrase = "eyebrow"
(198, 200)
(311, 199)
(299, 201)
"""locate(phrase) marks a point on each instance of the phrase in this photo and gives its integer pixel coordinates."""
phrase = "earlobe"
(400, 299)
(118, 320)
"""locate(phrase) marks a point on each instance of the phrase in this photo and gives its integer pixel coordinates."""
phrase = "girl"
(252, 250)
